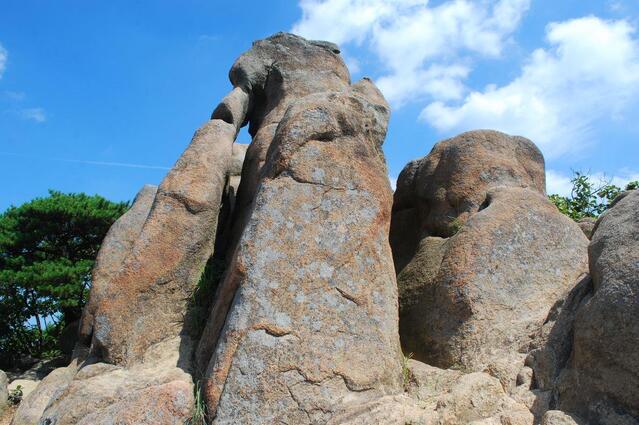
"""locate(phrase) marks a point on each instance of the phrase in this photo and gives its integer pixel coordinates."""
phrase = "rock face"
(450, 183)
(313, 323)
(156, 390)
(134, 361)
(166, 260)
(274, 73)
(264, 273)
(587, 226)
(27, 386)
(115, 247)
(601, 381)
(472, 299)
(439, 396)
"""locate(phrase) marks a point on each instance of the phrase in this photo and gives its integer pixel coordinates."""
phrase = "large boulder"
(156, 390)
(33, 404)
(133, 363)
(450, 183)
(601, 380)
(274, 73)
(167, 258)
(488, 255)
(313, 323)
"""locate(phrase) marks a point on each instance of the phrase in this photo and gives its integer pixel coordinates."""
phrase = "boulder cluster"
(284, 283)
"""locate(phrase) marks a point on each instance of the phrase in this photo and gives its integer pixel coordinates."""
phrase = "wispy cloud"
(33, 114)
(3, 59)
(208, 37)
(88, 162)
(18, 96)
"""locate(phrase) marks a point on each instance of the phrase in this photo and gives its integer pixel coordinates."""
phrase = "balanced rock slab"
(148, 296)
(313, 323)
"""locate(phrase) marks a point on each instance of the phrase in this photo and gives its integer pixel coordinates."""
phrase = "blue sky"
(102, 97)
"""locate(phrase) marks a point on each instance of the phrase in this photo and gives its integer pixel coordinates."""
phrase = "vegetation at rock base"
(203, 294)
(406, 373)
(47, 250)
(587, 198)
(15, 395)
(199, 414)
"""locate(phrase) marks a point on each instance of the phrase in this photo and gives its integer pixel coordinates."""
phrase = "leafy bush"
(588, 199)
(15, 396)
(47, 250)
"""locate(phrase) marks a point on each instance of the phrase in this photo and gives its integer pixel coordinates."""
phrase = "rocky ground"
(464, 297)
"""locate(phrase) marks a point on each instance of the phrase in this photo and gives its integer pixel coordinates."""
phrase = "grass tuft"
(406, 373)
(200, 414)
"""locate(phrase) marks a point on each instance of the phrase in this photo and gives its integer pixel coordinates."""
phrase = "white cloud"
(33, 114)
(3, 59)
(590, 72)
(557, 183)
(424, 49)
(560, 184)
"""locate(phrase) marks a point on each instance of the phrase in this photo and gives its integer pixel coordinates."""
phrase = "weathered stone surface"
(237, 159)
(499, 277)
(387, 410)
(32, 406)
(587, 225)
(313, 323)
(115, 247)
(450, 183)
(481, 254)
(601, 381)
(416, 283)
(26, 385)
(156, 390)
(439, 396)
(552, 343)
(234, 108)
(557, 417)
(283, 68)
(275, 72)
(137, 321)
(167, 258)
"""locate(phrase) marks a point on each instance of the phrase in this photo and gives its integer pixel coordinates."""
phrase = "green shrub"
(15, 396)
(588, 199)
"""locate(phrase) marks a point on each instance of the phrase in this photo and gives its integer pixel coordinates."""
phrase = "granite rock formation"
(494, 255)
(274, 282)
(589, 358)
